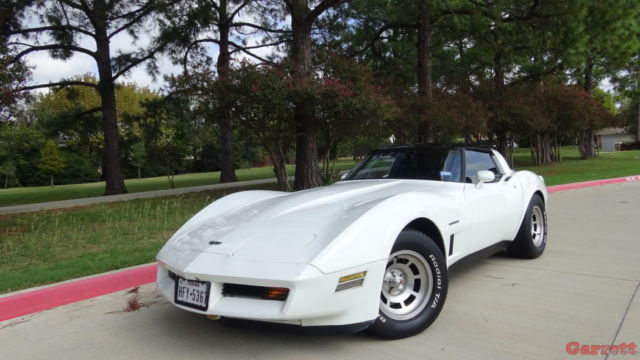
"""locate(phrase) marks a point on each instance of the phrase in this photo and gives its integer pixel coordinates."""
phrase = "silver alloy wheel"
(407, 285)
(537, 226)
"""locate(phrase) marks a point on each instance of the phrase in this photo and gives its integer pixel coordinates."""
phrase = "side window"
(452, 169)
(476, 161)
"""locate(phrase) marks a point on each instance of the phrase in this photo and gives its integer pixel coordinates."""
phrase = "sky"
(46, 69)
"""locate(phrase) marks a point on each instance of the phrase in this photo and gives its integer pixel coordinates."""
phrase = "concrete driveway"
(584, 289)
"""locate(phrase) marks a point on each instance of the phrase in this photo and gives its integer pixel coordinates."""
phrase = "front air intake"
(255, 292)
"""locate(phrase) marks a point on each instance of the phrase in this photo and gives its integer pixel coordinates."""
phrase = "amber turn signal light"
(276, 293)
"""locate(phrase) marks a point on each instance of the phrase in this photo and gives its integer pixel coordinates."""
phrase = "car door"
(492, 209)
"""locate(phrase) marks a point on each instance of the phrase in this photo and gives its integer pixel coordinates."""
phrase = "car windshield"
(426, 164)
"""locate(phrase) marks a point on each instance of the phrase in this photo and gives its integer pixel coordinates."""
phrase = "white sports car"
(371, 251)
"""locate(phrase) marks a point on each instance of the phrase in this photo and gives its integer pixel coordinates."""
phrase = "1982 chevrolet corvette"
(371, 251)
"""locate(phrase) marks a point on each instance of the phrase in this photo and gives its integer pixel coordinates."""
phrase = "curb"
(585, 184)
(45, 298)
(30, 301)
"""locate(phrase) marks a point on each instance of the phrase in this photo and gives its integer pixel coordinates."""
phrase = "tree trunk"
(51, 178)
(502, 143)
(228, 172)
(465, 87)
(501, 124)
(326, 163)
(425, 70)
(138, 172)
(279, 160)
(588, 75)
(111, 166)
(586, 145)
(542, 149)
(638, 122)
(280, 168)
(556, 149)
(307, 169)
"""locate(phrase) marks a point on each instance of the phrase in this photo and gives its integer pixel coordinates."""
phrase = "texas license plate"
(192, 293)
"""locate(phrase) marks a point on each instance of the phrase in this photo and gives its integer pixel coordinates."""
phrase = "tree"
(62, 31)
(349, 104)
(13, 74)
(302, 21)
(8, 170)
(409, 21)
(170, 133)
(71, 114)
(264, 107)
(630, 109)
(51, 161)
(609, 39)
(138, 156)
(627, 81)
(191, 25)
(20, 144)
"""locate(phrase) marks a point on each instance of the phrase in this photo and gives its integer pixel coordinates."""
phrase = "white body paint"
(307, 240)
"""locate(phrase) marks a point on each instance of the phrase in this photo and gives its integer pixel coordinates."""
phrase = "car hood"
(290, 227)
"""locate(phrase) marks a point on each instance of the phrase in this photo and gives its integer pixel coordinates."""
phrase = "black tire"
(414, 247)
(532, 236)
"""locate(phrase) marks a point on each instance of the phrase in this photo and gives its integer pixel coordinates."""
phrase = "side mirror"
(484, 176)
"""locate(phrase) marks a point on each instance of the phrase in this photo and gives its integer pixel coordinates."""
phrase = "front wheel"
(532, 236)
(414, 287)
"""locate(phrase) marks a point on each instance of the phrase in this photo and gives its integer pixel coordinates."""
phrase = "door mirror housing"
(484, 176)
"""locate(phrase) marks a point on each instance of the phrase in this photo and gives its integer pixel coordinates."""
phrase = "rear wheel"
(414, 287)
(532, 236)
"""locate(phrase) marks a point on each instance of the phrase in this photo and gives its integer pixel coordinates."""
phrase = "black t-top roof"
(437, 146)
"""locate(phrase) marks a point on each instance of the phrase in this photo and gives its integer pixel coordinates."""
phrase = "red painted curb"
(57, 295)
(585, 184)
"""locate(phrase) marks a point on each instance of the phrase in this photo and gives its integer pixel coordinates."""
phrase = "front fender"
(530, 184)
(370, 238)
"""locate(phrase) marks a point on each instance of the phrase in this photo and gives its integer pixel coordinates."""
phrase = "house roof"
(612, 131)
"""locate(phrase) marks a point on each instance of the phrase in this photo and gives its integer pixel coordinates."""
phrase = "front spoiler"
(331, 330)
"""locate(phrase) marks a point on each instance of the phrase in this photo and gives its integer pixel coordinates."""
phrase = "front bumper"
(312, 299)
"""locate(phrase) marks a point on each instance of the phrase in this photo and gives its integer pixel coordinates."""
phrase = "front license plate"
(192, 293)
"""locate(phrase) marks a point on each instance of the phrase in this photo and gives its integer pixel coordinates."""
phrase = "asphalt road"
(584, 289)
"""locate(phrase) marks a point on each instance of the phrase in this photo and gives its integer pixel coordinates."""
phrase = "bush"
(630, 146)
(78, 169)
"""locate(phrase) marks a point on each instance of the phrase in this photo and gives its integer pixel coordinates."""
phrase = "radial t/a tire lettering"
(414, 287)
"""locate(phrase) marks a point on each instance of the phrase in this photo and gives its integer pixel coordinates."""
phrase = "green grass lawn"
(50, 246)
(572, 169)
(29, 195)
